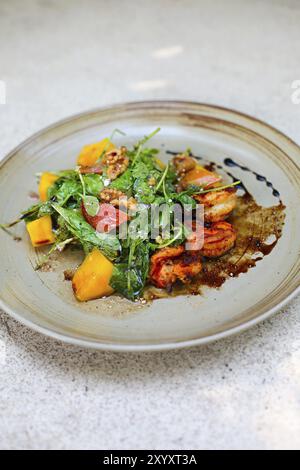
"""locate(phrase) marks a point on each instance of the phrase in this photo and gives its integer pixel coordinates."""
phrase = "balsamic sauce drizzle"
(229, 162)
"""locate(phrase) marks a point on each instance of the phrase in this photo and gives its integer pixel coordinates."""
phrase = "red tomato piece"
(107, 219)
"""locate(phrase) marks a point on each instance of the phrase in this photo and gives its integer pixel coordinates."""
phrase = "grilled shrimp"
(217, 204)
(218, 239)
(171, 264)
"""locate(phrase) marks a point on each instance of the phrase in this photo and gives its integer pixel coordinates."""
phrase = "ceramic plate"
(45, 302)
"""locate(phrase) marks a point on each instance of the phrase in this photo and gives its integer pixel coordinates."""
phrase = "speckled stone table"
(59, 58)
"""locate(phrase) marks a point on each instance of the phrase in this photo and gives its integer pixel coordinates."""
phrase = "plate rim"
(136, 347)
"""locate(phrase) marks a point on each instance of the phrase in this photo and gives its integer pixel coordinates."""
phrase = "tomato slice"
(107, 218)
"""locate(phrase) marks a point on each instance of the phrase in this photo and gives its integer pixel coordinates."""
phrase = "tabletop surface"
(59, 58)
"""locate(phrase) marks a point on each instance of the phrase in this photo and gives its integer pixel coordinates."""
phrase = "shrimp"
(217, 204)
(171, 264)
(218, 239)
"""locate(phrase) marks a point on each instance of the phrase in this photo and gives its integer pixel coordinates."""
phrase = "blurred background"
(60, 57)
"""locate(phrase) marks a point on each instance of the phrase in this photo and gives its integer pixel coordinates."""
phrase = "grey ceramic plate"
(44, 301)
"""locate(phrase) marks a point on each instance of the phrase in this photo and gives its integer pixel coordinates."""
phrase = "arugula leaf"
(62, 232)
(123, 182)
(184, 199)
(67, 173)
(143, 192)
(130, 275)
(87, 236)
(37, 211)
(140, 170)
(93, 184)
(139, 146)
(162, 179)
(69, 186)
(179, 236)
(63, 189)
(220, 188)
(91, 205)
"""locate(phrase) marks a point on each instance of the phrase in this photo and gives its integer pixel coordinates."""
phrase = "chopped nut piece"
(117, 198)
(116, 161)
(68, 275)
(152, 181)
(111, 196)
(183, 163)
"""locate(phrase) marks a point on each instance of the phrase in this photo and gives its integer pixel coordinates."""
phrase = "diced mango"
(46, 181)
(200, 176)
(40, 231)
(91, 279)
(91, 153)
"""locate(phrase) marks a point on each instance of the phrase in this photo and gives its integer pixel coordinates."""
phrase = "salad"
(120, 207)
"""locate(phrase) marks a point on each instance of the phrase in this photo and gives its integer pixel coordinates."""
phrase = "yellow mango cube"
(46, 181)
(40, 231)
(91, 153)
(91, 280)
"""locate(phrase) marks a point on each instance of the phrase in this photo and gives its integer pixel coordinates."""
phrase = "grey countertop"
(59, 58)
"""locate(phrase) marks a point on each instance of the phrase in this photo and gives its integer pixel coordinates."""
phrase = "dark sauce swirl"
(230, 163)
